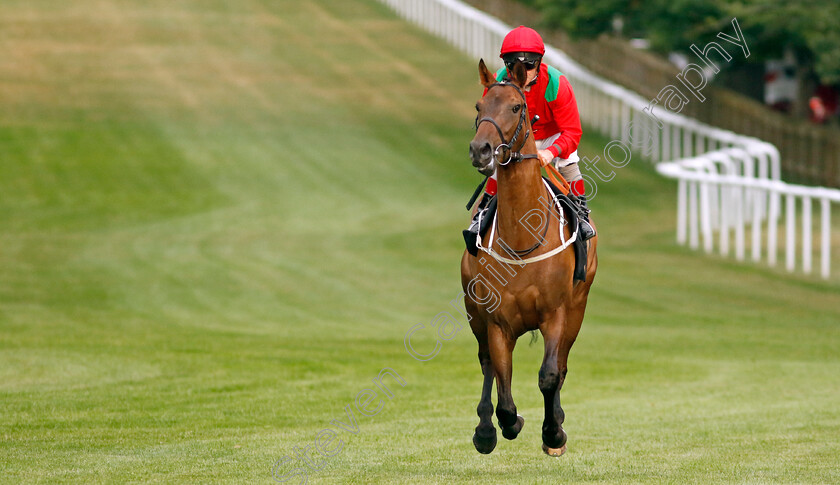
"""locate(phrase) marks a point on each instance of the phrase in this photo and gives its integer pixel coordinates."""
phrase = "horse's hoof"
(485, 444)
(512, 432)
(555, 452)
(552, 441)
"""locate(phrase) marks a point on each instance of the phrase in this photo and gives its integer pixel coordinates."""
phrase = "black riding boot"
(587, 232)
(471, 233)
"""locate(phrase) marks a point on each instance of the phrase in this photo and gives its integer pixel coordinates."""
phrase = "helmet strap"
(537, 77)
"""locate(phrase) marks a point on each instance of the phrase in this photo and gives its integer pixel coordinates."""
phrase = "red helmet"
(522, 39)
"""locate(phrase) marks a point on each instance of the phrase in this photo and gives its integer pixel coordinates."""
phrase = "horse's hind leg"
(501, 350)
(484, 438)
(559, 336)
(552, 375)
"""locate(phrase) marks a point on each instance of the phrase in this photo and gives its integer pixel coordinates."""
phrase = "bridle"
(515, 155)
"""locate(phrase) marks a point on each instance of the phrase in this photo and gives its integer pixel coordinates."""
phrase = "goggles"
(529, 59)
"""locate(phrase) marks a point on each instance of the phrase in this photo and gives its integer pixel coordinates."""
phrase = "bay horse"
(504, 300)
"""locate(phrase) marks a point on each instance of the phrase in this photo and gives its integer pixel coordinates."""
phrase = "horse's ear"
(484, 75)
(519, 75)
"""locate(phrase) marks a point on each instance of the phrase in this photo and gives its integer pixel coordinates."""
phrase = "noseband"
(515, 156)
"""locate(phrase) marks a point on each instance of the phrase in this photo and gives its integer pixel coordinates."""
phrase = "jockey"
(557, 131)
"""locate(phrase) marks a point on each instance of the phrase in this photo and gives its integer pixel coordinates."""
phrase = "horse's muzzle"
(481, 154)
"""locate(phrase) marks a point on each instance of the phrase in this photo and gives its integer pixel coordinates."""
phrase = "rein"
(515, 156)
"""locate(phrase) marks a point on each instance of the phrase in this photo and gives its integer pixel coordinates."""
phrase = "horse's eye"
(517, 108)
(476, 107)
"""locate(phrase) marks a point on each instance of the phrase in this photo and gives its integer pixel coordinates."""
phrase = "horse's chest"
(515, 297)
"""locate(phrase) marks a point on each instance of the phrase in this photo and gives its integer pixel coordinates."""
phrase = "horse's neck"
(519, 190)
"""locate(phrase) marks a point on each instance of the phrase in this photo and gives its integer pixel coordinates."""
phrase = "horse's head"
(501, 123)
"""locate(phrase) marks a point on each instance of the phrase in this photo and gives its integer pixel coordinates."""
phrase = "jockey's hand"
(545, 157)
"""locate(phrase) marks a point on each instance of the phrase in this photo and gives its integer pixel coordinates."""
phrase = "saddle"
(569, 205)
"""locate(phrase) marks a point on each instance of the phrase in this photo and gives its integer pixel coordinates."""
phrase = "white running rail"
(726, 181)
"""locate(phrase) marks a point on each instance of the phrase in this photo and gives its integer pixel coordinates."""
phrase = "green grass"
(217, 224)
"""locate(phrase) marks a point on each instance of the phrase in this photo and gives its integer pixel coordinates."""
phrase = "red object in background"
(823, 104)
(829, 97)
(817, 109)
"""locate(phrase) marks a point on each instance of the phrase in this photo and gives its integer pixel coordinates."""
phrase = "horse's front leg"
(501, 353)
(484, 438)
